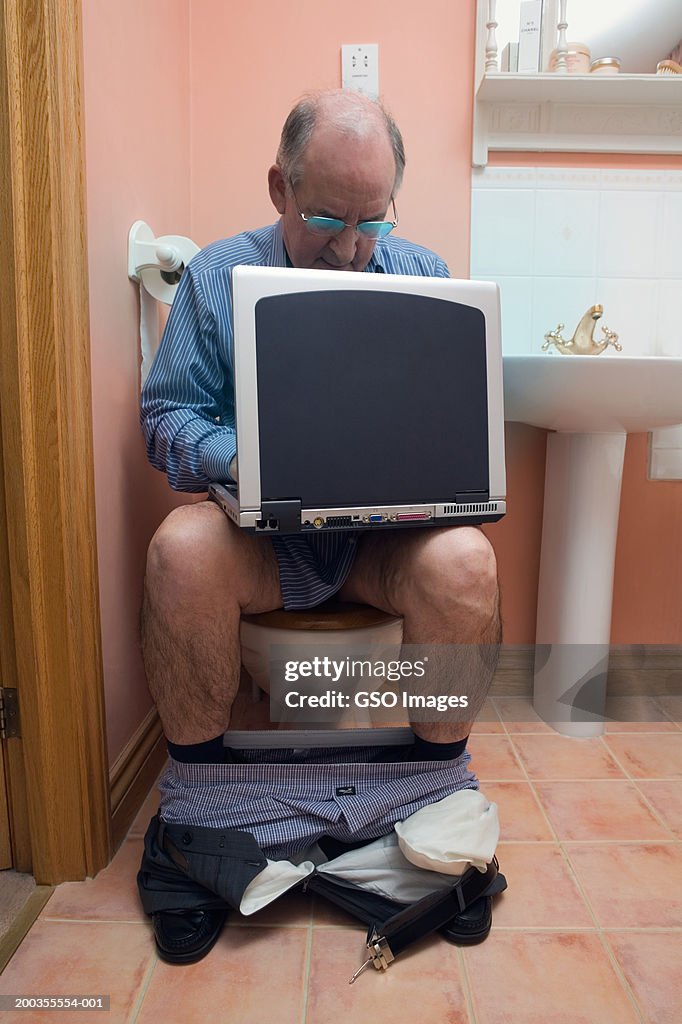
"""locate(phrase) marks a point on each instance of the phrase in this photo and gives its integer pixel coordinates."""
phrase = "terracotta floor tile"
(542, 891)
(251, 976)
(330, 916)
(418, 986)
(665, 796)
(631, 885)
(652, 964)
(521, 818)
(649, 756)
(518, 715)
(599, 810)
(73, 958)
(111, 896)
(548, 978)
(493, 758)
(637, 714)
(563, 757)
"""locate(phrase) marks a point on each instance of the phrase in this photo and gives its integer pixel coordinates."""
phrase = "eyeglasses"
(332, 226)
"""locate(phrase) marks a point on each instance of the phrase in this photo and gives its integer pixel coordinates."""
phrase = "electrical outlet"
(360, 68)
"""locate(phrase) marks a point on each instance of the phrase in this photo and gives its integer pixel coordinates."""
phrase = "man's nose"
(345, 244)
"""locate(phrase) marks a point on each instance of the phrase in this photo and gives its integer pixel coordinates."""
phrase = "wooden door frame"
(46, 437)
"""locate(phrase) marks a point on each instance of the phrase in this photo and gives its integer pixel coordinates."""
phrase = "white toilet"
(336, 623)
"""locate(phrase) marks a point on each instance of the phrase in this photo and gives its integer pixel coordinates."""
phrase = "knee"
(458, 565)
(185, 543)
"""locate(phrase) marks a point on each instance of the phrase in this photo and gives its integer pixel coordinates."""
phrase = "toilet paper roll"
(149, 331)
(151, 277)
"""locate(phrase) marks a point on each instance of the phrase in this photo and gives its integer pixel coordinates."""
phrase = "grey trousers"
(190, 868)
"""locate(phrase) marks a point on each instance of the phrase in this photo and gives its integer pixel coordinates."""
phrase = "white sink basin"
(589, 403)
(593, 394)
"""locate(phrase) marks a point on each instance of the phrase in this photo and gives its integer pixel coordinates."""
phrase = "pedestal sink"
(591, 403)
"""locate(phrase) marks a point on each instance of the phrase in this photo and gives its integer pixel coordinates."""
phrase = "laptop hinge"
(465, 497)
(9, 714)
(282, 516)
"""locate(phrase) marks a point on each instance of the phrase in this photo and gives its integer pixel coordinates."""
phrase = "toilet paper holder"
(158, 263)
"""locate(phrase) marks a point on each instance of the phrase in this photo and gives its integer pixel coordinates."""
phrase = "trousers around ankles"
(188, 868)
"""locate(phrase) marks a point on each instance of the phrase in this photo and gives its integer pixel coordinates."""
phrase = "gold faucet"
(583, 342)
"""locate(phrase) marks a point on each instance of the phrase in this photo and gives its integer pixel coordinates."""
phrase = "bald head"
(350, 114)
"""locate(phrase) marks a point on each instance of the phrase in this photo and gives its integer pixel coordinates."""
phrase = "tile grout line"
(618, 971)
(536, 797)
(306, 969)
(547, 929)
(466, 985)
(614, 757)
(142, 990)
(656, 814)
(95, 920)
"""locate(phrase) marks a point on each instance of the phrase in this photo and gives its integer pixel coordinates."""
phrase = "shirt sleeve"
(187, 404)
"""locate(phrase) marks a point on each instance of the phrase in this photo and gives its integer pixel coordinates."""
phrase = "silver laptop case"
(365, 401)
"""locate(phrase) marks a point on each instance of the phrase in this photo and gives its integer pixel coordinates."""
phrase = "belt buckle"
(380, 953)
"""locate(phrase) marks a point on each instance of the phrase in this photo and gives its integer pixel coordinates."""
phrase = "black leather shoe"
(472, 924)
(185, 936)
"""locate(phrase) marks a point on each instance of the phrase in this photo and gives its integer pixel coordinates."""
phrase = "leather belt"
(386, 941)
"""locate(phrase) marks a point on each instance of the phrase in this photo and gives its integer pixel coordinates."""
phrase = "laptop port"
(376, 518)
(412, 517)
(267, 525)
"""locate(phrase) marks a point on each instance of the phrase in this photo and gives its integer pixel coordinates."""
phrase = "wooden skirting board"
(635, 670)
(133, 774)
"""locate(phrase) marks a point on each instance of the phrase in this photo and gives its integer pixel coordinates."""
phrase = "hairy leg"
(444, 584)
(202, 573)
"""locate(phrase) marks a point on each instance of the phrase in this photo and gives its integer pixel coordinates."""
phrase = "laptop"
(364, 401)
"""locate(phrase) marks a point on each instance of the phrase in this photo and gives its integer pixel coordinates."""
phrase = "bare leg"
(202, 573)
(444, 584)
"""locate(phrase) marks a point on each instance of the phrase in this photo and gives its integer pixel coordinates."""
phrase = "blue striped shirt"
(187, 410)
(187, 407)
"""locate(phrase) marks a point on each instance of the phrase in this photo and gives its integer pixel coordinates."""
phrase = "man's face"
(351, 179)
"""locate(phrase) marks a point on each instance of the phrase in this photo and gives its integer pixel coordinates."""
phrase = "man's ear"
(278, 187)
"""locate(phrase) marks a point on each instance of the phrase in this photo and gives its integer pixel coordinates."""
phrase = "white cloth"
(422, 855)
(451, 834)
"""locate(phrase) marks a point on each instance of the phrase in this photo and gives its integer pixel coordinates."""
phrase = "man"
(339, 167)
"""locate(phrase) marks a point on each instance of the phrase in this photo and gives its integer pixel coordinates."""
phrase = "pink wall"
(136, 78)
(250, 62)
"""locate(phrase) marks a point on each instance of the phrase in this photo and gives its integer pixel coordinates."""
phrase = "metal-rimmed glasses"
(332, 226)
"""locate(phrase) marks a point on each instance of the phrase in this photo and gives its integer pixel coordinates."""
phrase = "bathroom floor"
(590, 928)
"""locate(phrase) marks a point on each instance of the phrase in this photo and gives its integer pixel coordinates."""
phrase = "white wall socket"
(360, 68)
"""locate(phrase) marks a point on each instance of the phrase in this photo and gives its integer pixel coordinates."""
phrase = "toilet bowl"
(355, 628)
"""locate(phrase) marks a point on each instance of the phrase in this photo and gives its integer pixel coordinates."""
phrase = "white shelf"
(577, 113)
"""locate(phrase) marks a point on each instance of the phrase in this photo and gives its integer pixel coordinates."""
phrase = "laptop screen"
(366, 390)
(368, 398)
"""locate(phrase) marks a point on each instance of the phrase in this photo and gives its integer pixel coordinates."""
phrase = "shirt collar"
(278, 254)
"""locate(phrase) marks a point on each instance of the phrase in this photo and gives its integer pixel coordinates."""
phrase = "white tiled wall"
(561, 239)
(558, 240)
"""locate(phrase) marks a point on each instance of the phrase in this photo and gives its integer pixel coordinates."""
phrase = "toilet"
(350, 626)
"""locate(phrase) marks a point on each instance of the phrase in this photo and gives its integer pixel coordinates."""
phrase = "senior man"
(338, 169)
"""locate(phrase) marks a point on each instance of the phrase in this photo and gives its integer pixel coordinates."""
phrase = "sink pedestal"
(580, 524)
